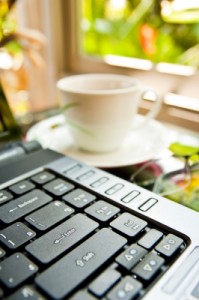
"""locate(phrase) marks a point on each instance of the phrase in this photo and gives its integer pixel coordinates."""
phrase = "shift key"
(65, 275)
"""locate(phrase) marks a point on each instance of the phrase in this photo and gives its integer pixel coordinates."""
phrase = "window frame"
(164, 83)
(63, 33)
(36, 15)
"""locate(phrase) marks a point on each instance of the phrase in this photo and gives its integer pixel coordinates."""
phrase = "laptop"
(72, 231)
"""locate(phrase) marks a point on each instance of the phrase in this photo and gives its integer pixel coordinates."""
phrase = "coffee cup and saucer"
(100, 124)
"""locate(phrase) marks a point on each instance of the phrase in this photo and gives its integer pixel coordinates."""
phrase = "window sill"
(175, 113)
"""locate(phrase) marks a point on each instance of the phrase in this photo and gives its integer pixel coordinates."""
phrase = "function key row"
(59, 187)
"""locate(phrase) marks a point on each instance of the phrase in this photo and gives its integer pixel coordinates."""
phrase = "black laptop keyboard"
(62, 241)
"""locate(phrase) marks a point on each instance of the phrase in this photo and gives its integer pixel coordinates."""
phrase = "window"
(69, 50)
(175, 84)
(145, 29)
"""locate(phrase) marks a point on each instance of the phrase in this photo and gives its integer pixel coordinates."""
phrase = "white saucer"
(139, 146)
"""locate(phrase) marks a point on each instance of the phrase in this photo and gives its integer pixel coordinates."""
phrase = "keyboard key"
(148, 267)
(114, 189)
(86, 175)
(130, 197)
(23, 205)
(169, 245)
(1, 293)
(26, 293)
(2, 252)
(16, 235)
(150, 238)
(129, 224)
(66, 274)
(5, 196)
(104, 282)
(99, 182)
(83, 295)
(79, 198)
(127, 289)
(61, 238)
(75, 168)
(58, 187)
(22, 187)
(148, 204)
(42, 177)
(102, 211)
(131, 256)
(15, 269)
(49, 215)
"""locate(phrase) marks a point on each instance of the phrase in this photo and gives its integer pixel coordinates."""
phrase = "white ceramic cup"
(102, 109)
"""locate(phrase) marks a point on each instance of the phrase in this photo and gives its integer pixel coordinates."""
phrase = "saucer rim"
(83, 156)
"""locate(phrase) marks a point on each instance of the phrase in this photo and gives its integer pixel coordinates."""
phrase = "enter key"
(65, 275)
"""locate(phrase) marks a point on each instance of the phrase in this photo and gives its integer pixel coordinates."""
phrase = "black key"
(2, 252)
(169, 245)
(16, 235)
(79, 198)
(83, 295)
(42, 177)
(5, 196)
(1, 293)
(150, 238)
(26, 293)
(22, 187)
(23, 205)
(66, 274)
(58, 187)
(15, 269)
(102, 211)
(127, 289)
(149, 266)
(61, 238)
(131, 256)
(49, 215)
(104, 282)
(129, 224)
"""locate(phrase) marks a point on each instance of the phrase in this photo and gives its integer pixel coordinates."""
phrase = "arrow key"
(169, 245)
(131, 256)
(149, 266)
(126, 289)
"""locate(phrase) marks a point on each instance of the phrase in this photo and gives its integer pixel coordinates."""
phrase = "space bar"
(66, 274)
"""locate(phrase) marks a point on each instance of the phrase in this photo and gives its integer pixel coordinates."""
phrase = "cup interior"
(98, 83)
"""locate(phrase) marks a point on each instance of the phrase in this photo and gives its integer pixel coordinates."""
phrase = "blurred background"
(155, 41)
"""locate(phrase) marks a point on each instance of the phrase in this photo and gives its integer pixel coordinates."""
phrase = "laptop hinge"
(14, 150)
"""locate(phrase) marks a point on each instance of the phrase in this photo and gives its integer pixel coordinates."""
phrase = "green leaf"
(183, 150)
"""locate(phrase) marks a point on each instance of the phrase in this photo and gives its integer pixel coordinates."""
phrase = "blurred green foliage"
(192, 152)
(136, 28)
(8, 27)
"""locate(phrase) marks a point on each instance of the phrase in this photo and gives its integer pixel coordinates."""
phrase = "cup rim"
(61, 84)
